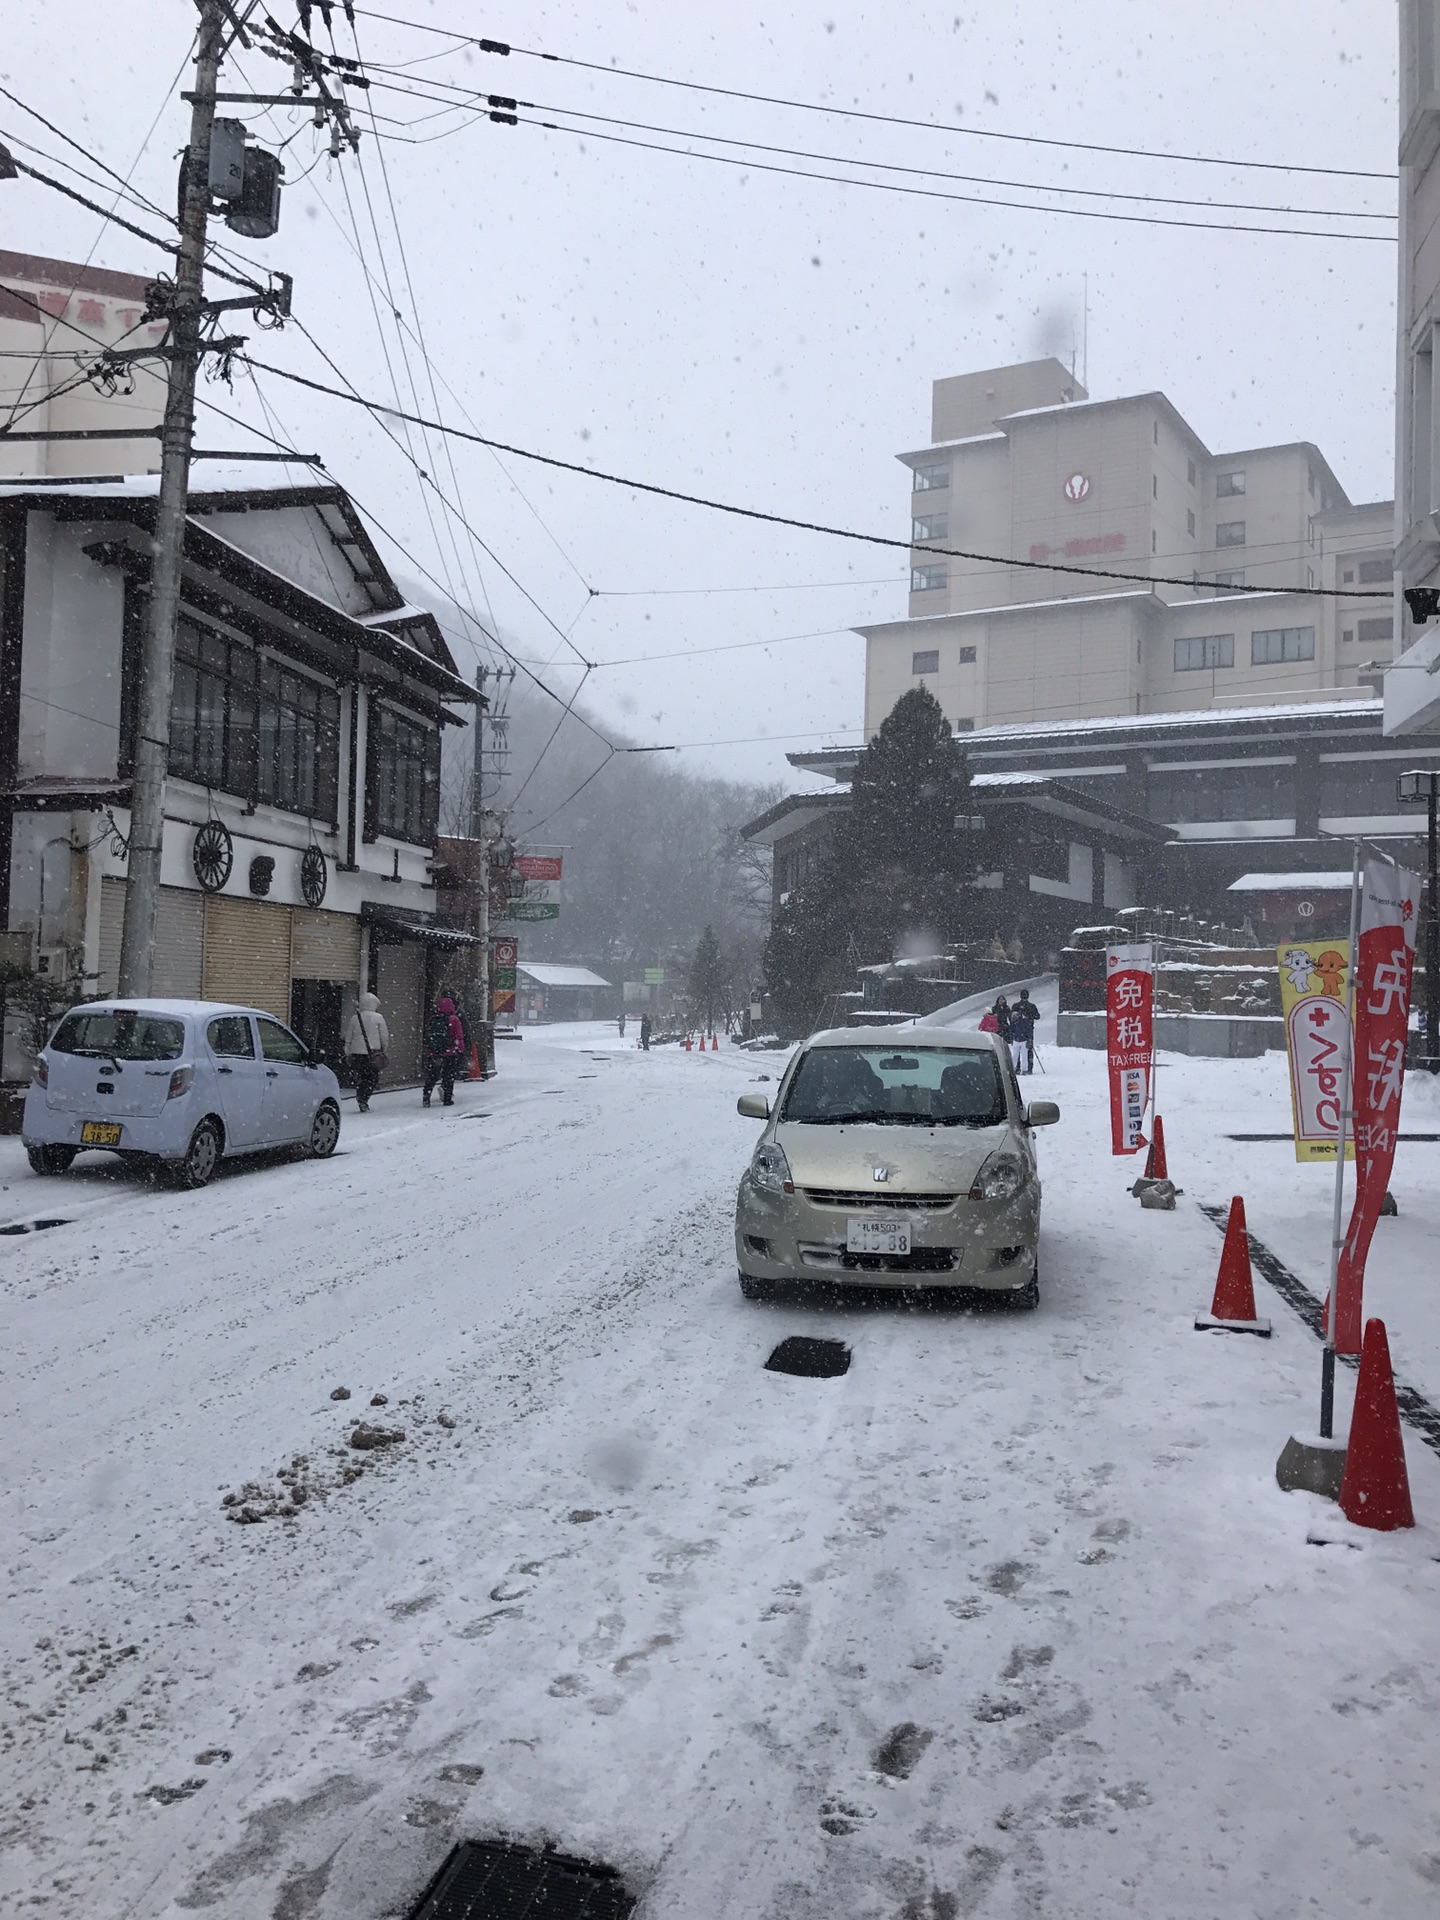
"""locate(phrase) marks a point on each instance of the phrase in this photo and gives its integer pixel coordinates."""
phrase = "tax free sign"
(1129, 1041)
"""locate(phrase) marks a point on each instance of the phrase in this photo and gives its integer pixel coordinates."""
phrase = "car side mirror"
(1041, 1113)
(753, 1106)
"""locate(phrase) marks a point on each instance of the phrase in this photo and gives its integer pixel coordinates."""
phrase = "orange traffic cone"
(1155, 1168)
(714, 1044)
(1233, 1308)
(687, 1043)
(476, 1071)
(1375, 1491)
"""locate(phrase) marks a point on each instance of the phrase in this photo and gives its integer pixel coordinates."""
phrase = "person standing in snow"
(444, 1050)
(366, 1038)
(1024, 1017)
(622, 1026)
(645, 1033)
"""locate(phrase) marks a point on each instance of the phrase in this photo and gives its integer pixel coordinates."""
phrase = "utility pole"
(480, 969)
(157, 663)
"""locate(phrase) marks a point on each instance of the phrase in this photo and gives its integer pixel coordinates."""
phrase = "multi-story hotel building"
(1039, 483)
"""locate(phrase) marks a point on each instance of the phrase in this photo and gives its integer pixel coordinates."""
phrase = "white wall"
(70, 673)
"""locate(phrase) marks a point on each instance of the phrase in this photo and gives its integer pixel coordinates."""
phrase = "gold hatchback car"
(894, 1158)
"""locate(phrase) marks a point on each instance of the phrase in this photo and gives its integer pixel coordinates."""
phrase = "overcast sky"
(749, 336)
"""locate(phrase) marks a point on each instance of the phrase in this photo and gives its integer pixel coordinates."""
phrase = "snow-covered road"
(1011, 1620)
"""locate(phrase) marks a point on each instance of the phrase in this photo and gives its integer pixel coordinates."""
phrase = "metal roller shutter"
(324, 946)
(247, 954)
(112, 921)
(177, 973)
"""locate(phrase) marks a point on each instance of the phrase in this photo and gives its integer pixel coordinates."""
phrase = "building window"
(967, 656)
(929, 479)
(1204, 650)
(1190, 523)
(1275, 645)
(1155, 431)
(965, 726)
(1348, 633)
(928, 579)
(403, 776)
(1154, 486)
(1234, 577)
(1369, 632)
(934, 526)
(1190, 471)
(1230, 533)
(1347, 576)
(1229, 485)
(244, 723)
(1181, 795)
(927, 661)
(1375, 573)
(1154, 541)
(1310, 480)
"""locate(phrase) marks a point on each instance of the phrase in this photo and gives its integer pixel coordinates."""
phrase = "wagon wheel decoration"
(213, 855)
(314, 876)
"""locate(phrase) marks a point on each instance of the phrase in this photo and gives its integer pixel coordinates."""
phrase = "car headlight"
(769, 1169)
(1002, 1176)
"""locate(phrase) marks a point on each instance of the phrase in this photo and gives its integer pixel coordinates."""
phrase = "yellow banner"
(1314, 977)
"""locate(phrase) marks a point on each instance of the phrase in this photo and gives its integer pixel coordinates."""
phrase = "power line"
(884, 119)
(962, 199)
(813, 526)
(483, 102)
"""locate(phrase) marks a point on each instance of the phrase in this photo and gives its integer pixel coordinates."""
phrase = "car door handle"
(224, 1069)
(271, 1073)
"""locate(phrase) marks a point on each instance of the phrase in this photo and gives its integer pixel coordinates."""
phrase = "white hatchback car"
(182, 1082)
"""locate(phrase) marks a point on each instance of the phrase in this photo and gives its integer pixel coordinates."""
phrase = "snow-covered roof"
(1010, 779)
(1291, 883)
(546, 973)
(1195, 717)
(206, 476)
(1061, 603)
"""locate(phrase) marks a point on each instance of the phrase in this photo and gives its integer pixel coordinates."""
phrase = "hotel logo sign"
(1077, 485)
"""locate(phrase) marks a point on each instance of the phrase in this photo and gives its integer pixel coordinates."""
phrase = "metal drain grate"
(33, 1226)
(493, 1880)
(810, 1359)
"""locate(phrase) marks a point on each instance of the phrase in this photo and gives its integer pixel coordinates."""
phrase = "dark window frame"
(1230, 533)
(245, 721)
(1215, 650)
(1230, 485)
(925, 660)
(402, 776)
(1281, 646)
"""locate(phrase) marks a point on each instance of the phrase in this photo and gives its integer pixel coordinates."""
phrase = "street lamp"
(1422, 788)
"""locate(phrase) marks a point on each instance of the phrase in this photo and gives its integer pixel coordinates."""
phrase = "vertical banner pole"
(1337, 1237)
(1154, 1049)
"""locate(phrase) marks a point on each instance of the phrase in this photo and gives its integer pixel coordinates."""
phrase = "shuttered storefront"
(176, 973)
(400, 986)
(247, 953)
(324, 946)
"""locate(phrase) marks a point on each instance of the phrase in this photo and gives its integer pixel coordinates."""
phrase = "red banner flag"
(1385, 957)
(1129, 1041)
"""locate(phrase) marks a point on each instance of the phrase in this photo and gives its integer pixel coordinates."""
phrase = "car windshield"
(896, 1086)
(121, 1034)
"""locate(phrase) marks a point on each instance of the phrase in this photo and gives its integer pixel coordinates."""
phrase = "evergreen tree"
(705, 982)
(897, 873)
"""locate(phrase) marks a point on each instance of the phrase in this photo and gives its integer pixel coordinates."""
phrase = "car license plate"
(100, 1133)
(877, 1236)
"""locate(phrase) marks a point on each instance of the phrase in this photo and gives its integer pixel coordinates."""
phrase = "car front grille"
(921, 1260)
(899, 1202)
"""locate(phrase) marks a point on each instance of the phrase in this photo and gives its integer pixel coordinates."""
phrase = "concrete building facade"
(1024, 466)
(55, 318)
(1412, 688)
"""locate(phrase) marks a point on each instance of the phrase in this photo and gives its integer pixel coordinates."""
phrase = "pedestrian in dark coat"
(645, 1032)
(1024, 1018)
(444, 1050)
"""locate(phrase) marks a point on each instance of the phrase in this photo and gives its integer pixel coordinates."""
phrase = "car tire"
(325, 1132)
(1025, 1299)
(754, 1288)
(50, 1159)
(202, 1156)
